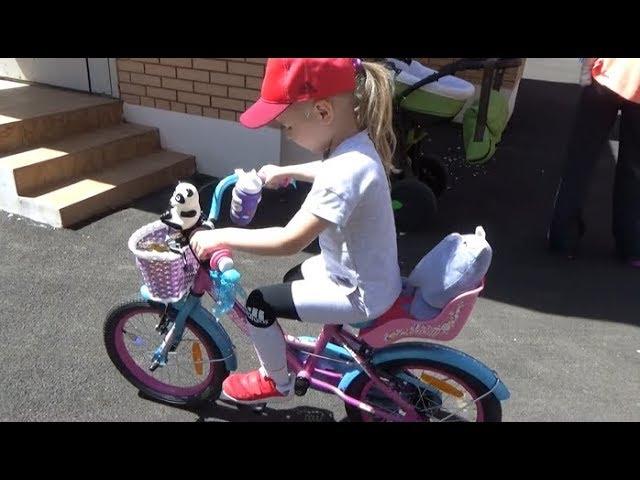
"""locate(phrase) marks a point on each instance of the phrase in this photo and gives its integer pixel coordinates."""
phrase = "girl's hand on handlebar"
(205, 242)
(273, 176)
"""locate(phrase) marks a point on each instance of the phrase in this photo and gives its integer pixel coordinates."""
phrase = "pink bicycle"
(178, 352)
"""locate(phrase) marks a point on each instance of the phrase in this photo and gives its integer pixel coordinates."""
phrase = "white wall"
(101, 76)
(219, 146)
(62, 72)
(113, 73)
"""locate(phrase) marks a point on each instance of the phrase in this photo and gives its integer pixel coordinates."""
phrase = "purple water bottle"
(245, 197)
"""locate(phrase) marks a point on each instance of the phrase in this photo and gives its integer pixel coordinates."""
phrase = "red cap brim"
(261, 113)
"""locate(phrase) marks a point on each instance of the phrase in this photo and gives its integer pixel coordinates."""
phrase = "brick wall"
(218, 87)
(212, 87)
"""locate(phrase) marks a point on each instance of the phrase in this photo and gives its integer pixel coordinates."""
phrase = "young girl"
(342, 108)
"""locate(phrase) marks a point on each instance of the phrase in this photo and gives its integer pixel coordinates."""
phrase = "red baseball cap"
(290, 80)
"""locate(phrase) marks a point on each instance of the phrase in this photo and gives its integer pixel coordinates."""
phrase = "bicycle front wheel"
(194, 371)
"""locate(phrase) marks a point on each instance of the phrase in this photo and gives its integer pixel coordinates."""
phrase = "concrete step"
(50, 163)
(31, 115)
(95, 193)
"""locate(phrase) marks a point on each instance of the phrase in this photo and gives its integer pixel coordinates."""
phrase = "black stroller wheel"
(428, 168)
(414, 205)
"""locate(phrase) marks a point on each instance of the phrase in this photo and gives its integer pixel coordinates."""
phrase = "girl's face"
(309, 124)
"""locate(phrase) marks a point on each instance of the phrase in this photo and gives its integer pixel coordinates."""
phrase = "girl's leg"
(306, 300)
(265, 305)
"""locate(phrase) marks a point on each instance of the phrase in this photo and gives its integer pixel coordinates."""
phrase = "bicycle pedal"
(301, 386)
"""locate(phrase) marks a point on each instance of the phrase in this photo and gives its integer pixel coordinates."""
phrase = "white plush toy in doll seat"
(454, 266)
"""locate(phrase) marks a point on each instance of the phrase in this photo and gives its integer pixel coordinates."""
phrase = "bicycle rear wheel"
(415, 206)
(439, 392)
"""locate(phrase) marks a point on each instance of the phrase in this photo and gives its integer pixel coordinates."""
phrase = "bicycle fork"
(175, 331)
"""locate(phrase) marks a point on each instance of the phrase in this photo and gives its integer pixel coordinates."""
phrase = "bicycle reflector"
(441, 385)
(196, 354)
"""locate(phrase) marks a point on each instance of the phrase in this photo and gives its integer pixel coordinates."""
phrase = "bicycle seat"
(397, 323)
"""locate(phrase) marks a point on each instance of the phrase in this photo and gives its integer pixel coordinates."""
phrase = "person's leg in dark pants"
(597, 111)
(626, 192)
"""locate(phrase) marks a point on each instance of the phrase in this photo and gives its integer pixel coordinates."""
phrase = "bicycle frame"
(351, 356)
(191, 306)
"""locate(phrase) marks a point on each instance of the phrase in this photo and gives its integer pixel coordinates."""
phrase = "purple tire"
(130, 345)
(431, 403)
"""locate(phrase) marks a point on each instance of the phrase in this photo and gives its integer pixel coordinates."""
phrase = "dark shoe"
(630, 260)
(566, 239)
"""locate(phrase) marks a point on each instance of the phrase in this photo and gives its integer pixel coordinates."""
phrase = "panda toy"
(185, 214)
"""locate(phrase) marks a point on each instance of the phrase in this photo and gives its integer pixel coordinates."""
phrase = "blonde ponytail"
(374, 108)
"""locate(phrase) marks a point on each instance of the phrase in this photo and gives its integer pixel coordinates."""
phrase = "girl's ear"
(324, 110)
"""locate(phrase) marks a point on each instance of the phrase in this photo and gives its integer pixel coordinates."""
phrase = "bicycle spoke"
(430, 403)
(179, 367)
(188, 370)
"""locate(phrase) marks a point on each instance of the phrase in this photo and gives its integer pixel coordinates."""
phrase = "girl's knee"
(260, 313)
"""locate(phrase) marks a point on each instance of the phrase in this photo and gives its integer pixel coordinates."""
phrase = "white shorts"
(320, 300)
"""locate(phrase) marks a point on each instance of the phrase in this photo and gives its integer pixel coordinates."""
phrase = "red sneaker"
(254, 387)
